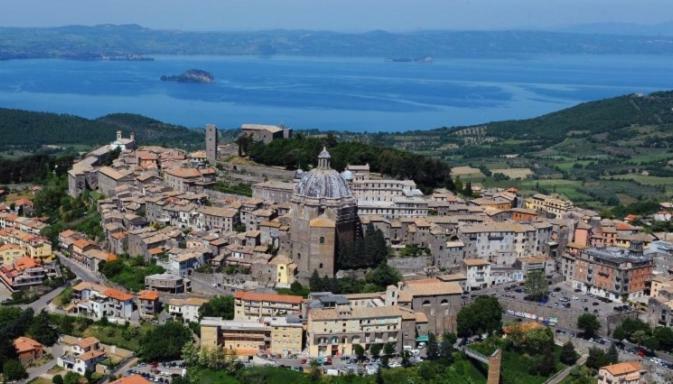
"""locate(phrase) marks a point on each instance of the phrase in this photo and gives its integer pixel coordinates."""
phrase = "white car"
(394, 364)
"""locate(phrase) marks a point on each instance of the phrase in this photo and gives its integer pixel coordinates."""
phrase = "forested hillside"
(28, 130)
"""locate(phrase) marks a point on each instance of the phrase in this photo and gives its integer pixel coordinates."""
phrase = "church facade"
(323, 215)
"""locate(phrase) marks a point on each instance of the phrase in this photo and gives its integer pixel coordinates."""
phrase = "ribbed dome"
(322, 183)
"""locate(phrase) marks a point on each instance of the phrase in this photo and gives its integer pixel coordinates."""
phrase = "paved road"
(35, 372)
(79, 270)
(122, 369)
(559, 377)
(44, 300)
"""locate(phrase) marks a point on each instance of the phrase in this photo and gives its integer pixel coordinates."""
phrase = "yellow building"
(10, 252)
(287, 336)
(285, 270)
(334, 331)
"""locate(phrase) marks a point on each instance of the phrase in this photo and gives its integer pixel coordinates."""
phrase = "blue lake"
(358, 94)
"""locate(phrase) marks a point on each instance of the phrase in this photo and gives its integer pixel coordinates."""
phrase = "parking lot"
(561, 296)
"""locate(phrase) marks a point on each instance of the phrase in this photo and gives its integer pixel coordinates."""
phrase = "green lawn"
(130, 272)
(121, 336)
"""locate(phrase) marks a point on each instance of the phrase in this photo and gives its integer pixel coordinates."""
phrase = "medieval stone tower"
(211, 143)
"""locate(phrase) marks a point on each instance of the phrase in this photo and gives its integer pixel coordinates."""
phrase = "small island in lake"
(191, 76)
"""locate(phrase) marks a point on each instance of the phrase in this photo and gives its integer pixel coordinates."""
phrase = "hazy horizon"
(338, 16)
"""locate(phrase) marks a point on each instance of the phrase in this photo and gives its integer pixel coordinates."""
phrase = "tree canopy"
(484, 315)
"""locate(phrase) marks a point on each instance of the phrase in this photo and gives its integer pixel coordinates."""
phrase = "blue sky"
(338, 15)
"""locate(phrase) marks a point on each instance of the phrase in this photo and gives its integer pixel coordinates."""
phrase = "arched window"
(426, 302)
(444, 302)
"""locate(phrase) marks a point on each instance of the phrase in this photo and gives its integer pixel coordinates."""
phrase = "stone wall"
(410, 264)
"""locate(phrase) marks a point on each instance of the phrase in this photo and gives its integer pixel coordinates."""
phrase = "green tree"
(57, 379)
(164, 342)
(483, 315)
(568, 354)
(596, 358)
(588, 324)
(71, 378)
(406, 359)
(315, 283)
(664, 337)
(446, 348)
(375, 349)
(389, 349)
(218, 306)
(537, 287)
(359, 352)
(432, 347)
(383, 276)
(13, 370)
(628, 327)
(612, 355)
(42, 330)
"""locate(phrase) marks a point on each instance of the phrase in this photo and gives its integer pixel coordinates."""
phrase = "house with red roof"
(97, 301)
(28, 350)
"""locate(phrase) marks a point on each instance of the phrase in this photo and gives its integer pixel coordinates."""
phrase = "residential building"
(186, 309)
(249, 305)
(97, 301)
(265, 133)
(478, 274)
(25, 272)
(613, 273)
(28, 350)
(80, 354)
(555, 206)
(168, 283)
(630, 372)
(148, 303)
(334, 331)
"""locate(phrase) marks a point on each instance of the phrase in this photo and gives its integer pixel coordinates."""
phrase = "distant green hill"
(27, 130)
(600, 153)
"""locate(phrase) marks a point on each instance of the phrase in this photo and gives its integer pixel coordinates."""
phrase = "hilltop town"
(157, 264)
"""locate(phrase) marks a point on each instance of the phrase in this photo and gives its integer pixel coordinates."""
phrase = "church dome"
(323, 181)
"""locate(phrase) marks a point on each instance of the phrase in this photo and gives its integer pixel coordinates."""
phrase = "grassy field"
(514, 173)
(644, 179)
(121, 336)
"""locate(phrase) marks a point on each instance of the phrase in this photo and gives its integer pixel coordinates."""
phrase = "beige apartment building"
(253, 306)
(550, 204)
(334, 331)
(278, 336)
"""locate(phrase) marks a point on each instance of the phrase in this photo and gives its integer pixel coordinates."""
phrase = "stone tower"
(211, 143)
(323, 214)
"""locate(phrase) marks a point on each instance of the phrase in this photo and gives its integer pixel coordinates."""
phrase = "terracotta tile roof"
(90, 355)
(23, 263)
(133, 379)
(624, 368)
(117, 294)
(268, 297)
(26, 344)
(148, 295)
(87, 342)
